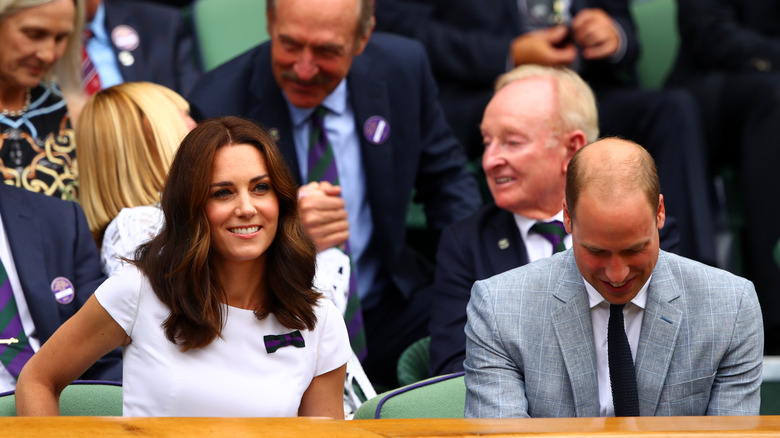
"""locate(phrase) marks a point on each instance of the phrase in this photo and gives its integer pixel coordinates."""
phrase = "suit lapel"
(505, 248)
(369, 97)
(573, 329)
(660, 328)
(27, 251)
(116, 14)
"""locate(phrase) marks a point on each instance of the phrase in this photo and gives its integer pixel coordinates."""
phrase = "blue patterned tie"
(15, 349)
(553, 231)
(622, 376)
(322, 167)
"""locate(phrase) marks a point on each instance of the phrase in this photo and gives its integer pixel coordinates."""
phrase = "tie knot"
(616, 308)
(87, 35)
(319, 112)
(553, 231)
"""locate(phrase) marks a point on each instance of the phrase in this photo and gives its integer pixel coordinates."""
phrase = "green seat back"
(437, 397)
(226, 28)
(413, 362)
(656, 22)
(79, 399)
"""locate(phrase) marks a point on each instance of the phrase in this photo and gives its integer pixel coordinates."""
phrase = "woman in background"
(40, 41)
(126, 138)
(219, 318)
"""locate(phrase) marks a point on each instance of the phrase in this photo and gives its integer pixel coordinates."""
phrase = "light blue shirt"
(343, 136)
(101, 52)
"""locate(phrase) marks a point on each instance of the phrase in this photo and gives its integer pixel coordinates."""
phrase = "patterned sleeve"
(333, 349)
(131, 227)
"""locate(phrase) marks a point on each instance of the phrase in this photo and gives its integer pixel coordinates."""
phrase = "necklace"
(25, 108)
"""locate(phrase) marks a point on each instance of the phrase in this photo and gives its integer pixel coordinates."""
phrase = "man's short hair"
(576, 102)
(638, 171)
(365, 15)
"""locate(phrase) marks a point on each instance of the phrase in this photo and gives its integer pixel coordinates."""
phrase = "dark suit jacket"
(469, 251)
(392, 79)
(468, 44)
(50, 238)
(165, 54)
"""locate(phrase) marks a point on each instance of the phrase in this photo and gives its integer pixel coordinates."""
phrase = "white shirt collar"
(595, 298)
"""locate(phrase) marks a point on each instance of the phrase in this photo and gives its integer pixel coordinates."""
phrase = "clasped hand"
(323, 214)
(591, 29)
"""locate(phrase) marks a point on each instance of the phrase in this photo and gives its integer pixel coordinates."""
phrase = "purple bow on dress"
(275, 342)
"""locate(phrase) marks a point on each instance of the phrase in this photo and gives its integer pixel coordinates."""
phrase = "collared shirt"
(536, 245)
(7, 382)
(633, 314)
(343, 136)
(101, 52)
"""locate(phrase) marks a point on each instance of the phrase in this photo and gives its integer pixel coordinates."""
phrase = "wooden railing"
(644, 427)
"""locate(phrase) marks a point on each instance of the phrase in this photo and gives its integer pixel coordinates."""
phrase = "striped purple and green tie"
(322, 167)
(15, 349)
(553, 231)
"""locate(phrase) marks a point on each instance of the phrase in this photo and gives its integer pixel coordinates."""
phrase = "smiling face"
(33, 40)
(313, 43)
(615, 242)
(525, 159)
(242, 208)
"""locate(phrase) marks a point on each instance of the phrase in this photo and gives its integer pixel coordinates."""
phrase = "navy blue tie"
(622, 376)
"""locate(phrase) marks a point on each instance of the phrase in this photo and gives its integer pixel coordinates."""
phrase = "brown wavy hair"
(177, 261)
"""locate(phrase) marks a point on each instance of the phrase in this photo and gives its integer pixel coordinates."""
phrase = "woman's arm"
(325, 395)
(74, 347)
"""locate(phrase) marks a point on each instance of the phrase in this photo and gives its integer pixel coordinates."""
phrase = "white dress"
(234, 376)
(130, 228)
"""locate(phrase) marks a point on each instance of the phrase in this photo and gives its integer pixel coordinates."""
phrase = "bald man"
(544, 340)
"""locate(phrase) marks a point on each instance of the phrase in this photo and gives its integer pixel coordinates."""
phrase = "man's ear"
(360, 44)
(661, 213)
(574, 141)
(566, 217)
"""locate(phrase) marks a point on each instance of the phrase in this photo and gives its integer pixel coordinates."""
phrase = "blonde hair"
(126, 138)
(67, 70)
(576, 101)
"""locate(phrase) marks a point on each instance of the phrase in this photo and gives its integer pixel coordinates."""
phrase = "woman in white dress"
(219, 317)
(126, 138)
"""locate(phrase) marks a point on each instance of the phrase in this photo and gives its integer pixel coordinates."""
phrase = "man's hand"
(544, 47)
(595, 31)
(323, 214)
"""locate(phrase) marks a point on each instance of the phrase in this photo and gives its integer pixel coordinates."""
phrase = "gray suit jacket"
(530, 349)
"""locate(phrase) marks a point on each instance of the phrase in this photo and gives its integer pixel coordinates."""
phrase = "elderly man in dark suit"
(538, 118)
(388, 137)
(52, 266)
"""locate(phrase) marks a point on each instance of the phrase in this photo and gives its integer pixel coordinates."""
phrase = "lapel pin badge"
(376, 129)
(125, 38)
(63, 290)
(503, 243)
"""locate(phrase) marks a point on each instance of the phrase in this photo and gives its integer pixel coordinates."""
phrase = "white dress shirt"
(633, 314)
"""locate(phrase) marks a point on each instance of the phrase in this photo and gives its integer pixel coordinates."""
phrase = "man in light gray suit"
(537, 343)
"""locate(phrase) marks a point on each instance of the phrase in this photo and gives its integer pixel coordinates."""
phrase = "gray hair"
(576, 102)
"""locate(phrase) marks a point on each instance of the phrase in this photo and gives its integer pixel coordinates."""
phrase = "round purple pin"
(376, 129)
(63, 290)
